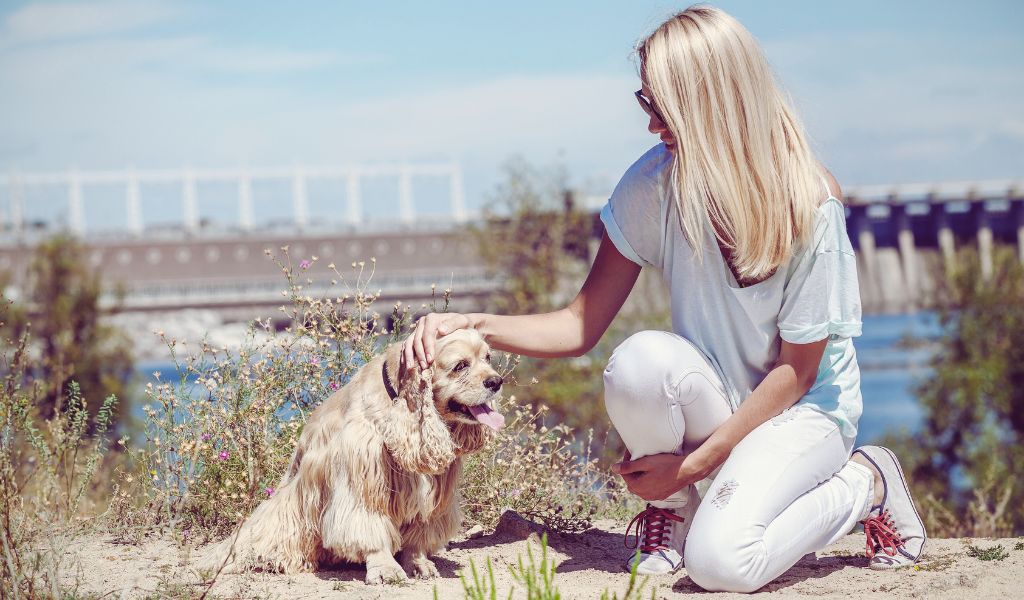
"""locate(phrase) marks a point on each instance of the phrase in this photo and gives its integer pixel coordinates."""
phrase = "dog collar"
(387, 381)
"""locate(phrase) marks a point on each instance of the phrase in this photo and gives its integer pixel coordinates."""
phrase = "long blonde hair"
(742, 156)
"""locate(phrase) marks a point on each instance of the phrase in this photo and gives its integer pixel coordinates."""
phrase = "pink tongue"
(484, 414)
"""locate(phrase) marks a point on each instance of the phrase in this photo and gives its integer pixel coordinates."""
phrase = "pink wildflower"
(269, 491)
(334, 385)
(224, 455)
(305, 264)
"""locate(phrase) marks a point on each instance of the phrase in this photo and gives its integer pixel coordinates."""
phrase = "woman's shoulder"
(830, 225)
(647, 176)
(834, 191)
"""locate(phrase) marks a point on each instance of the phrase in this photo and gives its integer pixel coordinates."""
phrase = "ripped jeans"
(787, 489)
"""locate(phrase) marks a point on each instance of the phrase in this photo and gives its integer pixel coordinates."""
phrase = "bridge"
(904, 233)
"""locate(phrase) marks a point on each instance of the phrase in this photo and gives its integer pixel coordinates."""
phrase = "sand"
(587, 565)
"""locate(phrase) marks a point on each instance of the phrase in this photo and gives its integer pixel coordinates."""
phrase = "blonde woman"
(755, 394)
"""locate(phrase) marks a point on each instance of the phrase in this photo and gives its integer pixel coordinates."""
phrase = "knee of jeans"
(642, 360)
(720, 564)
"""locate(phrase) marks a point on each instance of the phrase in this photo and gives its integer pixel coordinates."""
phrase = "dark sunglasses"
(648, 106)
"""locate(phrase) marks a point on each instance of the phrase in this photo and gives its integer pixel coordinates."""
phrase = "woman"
(757, 386)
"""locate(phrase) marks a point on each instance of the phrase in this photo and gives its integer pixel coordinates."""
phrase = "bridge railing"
(76, 184)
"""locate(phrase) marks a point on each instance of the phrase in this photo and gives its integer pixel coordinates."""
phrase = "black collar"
(387, 381)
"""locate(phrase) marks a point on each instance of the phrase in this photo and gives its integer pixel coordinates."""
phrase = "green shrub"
(48, 470)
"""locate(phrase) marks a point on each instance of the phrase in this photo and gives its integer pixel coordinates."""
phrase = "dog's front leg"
(381, 567)
(416, 564)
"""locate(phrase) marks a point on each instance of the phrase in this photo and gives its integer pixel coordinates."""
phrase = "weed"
(996, 552)
(938, 564)
(537, 580)
(1018, 546)
(48, 467)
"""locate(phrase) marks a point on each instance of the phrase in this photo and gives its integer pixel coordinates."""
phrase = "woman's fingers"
(408, 351)
(417, 344)
(430, 334)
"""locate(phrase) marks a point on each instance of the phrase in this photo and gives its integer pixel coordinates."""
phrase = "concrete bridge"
(903, 233)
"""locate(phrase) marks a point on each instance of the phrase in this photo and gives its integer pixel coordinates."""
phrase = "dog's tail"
(278, 535)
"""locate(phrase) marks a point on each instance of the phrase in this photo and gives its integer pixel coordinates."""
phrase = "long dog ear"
(470, 438)
(414, 433)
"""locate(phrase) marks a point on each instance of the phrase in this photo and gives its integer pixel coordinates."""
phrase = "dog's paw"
(385, 573)
(423, 568)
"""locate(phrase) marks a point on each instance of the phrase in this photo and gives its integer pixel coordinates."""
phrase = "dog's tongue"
(484, 414)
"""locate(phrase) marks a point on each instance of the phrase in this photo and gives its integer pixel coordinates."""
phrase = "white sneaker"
(895, 532)
(660, 534)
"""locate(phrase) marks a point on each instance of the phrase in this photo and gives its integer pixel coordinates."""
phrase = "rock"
(475, 532)
(516, 526)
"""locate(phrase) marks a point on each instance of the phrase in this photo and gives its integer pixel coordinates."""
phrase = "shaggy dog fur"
(372, 475)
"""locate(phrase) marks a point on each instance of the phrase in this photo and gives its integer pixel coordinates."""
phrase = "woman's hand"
(420, 345)
(658, 476)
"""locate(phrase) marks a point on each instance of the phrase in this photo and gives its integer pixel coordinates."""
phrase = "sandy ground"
(587, 565)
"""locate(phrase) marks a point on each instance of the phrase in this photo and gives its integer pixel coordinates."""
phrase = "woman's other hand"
(658, 476)
(419, 346)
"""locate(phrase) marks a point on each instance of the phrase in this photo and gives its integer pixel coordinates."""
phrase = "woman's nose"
(655, 126)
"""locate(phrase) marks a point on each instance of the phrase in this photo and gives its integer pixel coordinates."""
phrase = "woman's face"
(655, 125)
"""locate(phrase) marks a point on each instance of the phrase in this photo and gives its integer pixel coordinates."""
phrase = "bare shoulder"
(833, 185)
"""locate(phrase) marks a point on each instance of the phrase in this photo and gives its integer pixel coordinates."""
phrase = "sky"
(889, 91)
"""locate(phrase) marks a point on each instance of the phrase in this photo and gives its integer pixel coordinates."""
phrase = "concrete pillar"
(458, 195)
(860, 224)
(300, 203)
(945, 235)
(908, 254)
(984, 233)
(244, 202)
(406, 208)
(76, 208)
(134, 205)
(355, 202)
(189, 201)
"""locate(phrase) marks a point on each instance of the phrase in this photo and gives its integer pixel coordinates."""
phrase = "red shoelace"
(652, 524)
(882, 534)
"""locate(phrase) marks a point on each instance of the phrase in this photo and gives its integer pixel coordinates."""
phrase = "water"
(888, 373)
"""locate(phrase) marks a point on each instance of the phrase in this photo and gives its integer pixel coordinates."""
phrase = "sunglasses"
(648, 106)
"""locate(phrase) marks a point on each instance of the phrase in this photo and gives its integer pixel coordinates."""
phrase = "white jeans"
(787, 489)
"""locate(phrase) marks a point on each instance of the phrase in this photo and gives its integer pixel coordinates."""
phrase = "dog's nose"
(493, 383)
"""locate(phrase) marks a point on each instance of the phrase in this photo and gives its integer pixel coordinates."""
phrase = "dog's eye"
(462, 364)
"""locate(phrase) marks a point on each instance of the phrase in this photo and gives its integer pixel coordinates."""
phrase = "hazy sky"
(890, 91)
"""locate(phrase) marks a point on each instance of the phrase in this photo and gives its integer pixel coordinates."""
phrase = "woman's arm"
(657, 476)
(571, 331)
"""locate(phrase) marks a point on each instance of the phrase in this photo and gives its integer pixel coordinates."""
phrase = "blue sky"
(890, 91)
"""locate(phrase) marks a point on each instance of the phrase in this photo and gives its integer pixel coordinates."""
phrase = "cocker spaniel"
(376, 468)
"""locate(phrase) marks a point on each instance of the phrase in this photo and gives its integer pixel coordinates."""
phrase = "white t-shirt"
(813, 296)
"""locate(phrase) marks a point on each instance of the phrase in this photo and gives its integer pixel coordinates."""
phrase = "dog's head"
(446, 410)
(466, 387)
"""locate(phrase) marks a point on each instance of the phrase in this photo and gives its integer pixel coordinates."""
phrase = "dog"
(376, 467)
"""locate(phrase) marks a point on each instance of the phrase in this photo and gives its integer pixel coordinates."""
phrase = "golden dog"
(376, 468)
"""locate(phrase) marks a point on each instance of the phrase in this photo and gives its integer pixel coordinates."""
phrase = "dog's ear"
(414, 433)
(414, 384)
(470, 438)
